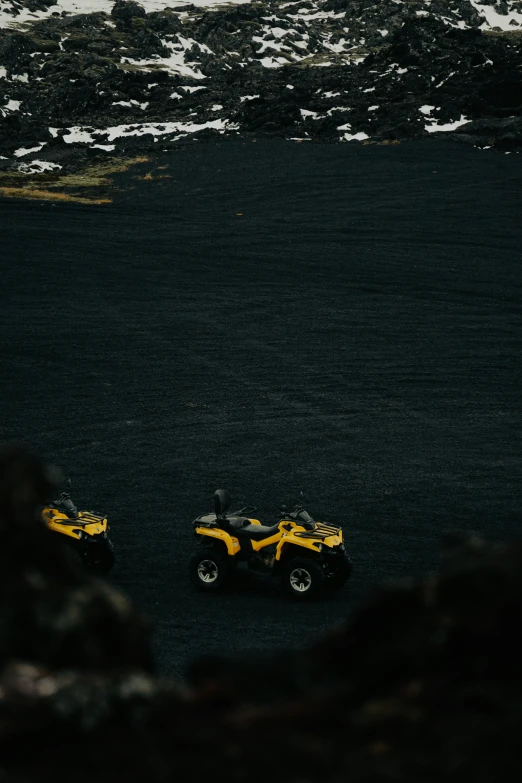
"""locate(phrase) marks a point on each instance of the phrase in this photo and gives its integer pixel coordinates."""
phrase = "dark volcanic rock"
(124, 12)
(330, 70)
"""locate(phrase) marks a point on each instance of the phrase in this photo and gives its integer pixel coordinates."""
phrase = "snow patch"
(10, 107)
(76, 136)
(355, 136)
(338, 108)
(175, 62)
(94, 6)
(273, 62)
(38, 167)
(448, 127)
(305, 14)
(25, 151)
(131, 103)
(493, 19)
(91, 136)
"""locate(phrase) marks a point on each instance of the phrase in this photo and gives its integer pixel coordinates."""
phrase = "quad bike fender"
(90, 524)
(293, 542)
(312, 544)
(231, 542)
(66, 528)
(333, 540)
(70, 532)
(258, 545)
(311, 540)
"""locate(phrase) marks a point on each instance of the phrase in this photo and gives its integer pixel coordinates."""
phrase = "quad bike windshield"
(305, 519)
(66, 505)
(301, 516)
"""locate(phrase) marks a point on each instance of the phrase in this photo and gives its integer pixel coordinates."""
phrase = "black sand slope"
(274, 317)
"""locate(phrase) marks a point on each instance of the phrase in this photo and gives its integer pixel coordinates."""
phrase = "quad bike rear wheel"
(302, 578)
(209, 569)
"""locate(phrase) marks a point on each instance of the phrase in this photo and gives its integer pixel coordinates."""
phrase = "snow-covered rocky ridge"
(123, 76)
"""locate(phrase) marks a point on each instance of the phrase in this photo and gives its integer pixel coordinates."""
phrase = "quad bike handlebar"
(65, 502)
(297, 508)
(300, 515)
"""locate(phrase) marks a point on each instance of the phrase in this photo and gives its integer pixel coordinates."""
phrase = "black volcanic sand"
(343, 320)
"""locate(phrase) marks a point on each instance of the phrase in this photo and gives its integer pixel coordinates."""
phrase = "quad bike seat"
(238, 522)
(259, 532)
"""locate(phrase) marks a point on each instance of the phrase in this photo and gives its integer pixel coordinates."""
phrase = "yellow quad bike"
(85, 533)
(307, 557)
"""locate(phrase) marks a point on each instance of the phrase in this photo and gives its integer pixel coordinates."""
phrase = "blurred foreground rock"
(424, 684)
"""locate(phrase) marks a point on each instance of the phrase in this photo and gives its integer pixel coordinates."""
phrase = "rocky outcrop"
(330, 71)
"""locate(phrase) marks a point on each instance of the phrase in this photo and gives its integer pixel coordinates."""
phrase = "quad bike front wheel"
(209, 569)
(73, 556)
(342, 574)
(302, 578)
(100, 558)
(97, 558)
